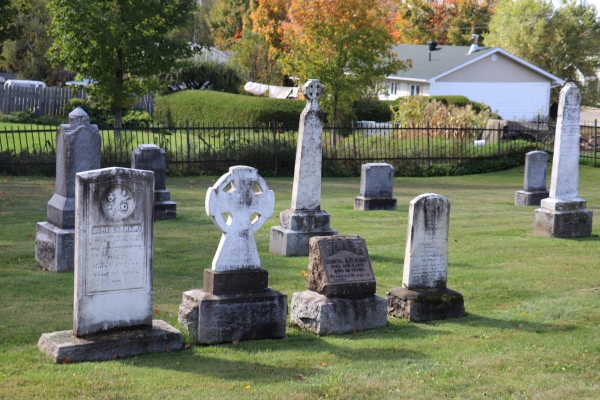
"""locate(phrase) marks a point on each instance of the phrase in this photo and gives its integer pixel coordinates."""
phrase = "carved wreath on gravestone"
(118, 202)
(237, 249)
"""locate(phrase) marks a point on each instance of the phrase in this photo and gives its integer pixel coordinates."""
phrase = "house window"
(415, 90)
(393, 87)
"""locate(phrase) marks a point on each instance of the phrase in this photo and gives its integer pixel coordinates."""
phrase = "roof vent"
(474, 46)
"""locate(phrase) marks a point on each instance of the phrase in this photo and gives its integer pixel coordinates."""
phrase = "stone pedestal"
(164, 208)
(426, 304)
(64, 347)
(336, 315)
(563, 219)
(374, 203)
(297, 227)
(525, 198)
(54, 247)
(212, 319)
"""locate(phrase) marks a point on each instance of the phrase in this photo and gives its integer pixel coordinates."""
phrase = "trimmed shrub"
(210, 107)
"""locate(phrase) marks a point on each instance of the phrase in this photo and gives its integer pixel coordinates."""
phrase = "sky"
(594, 2)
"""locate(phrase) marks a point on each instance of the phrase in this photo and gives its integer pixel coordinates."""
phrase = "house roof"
(447, 59)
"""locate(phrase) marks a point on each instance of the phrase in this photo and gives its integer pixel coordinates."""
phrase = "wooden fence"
(49, 100)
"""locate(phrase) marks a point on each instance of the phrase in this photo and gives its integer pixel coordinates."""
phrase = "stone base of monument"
(428, 304)
(212, 319)
(525, 198)
(164, 208)
(64, 347)
(563, 219)
(54, 247)
(297, 227)
(336, 315)
(375, 203)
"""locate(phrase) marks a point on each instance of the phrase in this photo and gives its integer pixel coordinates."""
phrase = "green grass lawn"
(532, 328)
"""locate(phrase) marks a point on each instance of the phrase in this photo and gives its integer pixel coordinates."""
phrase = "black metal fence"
(272, 147)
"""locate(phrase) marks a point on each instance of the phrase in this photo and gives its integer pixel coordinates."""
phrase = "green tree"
(560, 41)
(229, 19)
(346, 45)
(255, 62)
(8, 14)
(119, 44)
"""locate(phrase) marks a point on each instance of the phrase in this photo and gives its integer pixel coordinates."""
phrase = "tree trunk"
(118, 113)
(335, 122)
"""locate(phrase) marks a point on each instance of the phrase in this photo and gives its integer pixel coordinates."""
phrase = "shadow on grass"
(474, 320)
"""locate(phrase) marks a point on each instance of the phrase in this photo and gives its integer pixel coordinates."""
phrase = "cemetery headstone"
(150, 157)
(113, 272)
(78, 147)
(534, 186)
(305, 219)
(424, 295)
(376, 188)
(341, 289)
(564, 213)
(236, 302)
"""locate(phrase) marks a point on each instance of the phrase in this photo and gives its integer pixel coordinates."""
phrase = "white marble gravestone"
(376, 187)
(426, 264)
(534, 185)
(305, 218)
(113, 271)
(150, 157)
(564, 213)
(78, 147)
(236, 302)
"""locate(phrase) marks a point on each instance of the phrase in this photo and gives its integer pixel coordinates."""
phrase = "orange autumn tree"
(346, 45)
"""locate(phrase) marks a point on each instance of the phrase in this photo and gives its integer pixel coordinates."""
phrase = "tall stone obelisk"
(305, 219)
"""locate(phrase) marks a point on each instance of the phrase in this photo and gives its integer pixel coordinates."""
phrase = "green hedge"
(210, 107)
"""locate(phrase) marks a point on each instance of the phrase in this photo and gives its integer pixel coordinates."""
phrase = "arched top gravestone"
(233, 194)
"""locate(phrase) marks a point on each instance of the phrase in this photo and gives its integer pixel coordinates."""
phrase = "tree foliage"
(346, 45)
(229, 19)
(8, 14)
(445, 21)
(255, 62)
(204, 75)
(561, 40)
(119, 44)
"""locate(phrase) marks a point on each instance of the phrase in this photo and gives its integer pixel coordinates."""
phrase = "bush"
(210, 107)
(204, 75)
(102, 116)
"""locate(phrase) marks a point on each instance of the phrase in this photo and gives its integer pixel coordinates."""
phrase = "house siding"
(503, 69)
(511, 100)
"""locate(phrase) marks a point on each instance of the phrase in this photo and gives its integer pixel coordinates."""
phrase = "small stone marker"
(376, 188)
(534, 186)
(564, 213)
(305, 219)
(113, 272)
(150, 157)
(341, 289)
(236, 303)
(424, 295)
(77, 149)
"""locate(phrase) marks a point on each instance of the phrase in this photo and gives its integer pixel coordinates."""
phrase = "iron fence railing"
(272, 147)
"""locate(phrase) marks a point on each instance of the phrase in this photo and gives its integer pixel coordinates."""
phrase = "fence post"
(428, 148)
(354, 145)
(499, 131)
(187, 131)
(595, 138)
(275, 143)
(537, 131)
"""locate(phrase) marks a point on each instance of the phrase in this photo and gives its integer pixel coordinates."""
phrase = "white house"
(511, 86)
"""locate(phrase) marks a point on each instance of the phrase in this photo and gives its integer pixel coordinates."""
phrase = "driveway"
(588, 115)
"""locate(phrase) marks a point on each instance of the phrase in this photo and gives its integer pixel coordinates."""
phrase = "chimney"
(474, 46)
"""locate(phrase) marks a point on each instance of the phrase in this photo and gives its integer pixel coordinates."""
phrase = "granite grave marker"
(534, 185)
(305, 219)
(77, 149)
(113, 272)
(564, 213)
(424, 295)
(376, 188)
(341, 289)
(150, 157)
(236, 302)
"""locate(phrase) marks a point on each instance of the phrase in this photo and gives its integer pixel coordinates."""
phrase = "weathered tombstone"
(534, 185)
(564, 214)
(78, 147)
(376, 188)
(113, 272)
(236, 303)
(305, 219)
(150, 157)
(341, 289)
(424, 295)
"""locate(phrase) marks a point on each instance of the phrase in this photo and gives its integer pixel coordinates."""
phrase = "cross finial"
(313, 90)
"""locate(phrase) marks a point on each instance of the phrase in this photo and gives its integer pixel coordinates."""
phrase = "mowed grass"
(532, 328)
